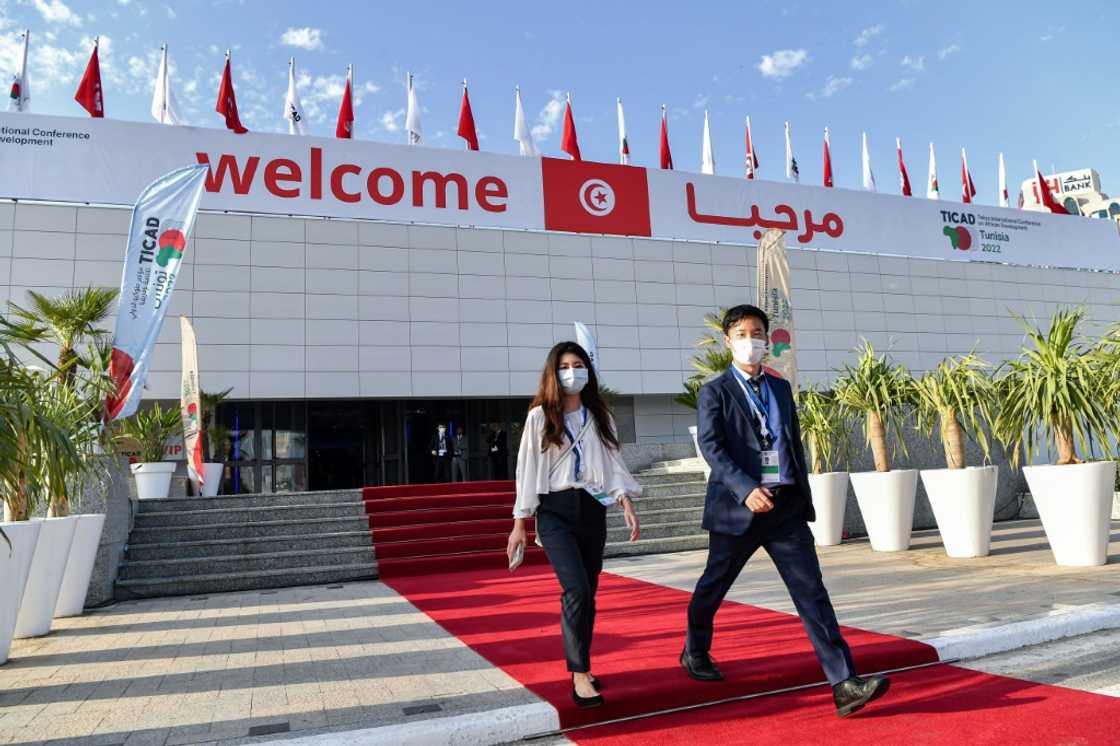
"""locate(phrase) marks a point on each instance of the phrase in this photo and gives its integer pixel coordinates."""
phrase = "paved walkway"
(307, 660)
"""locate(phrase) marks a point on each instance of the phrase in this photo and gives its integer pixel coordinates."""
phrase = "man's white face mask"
(748, 351)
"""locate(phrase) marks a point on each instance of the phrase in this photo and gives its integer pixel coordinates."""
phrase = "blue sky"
(1012, 76)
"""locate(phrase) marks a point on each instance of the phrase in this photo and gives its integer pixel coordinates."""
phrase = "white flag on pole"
(707, 158)
(293, 109)
(1004, 197)
(868, 175)
(586, 340)
(190, 405)
(164, 108)
(932, 189)
(623, 141)
(412, 118)
(791, 163)
(521, 131)
(774, 298)
(20, 97)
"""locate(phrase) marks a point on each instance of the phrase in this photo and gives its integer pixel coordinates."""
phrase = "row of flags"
(165, 111)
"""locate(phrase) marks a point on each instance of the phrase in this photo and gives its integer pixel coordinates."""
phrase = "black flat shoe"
(701, 669)
(853, 693)
(595, 682)
(586, 703)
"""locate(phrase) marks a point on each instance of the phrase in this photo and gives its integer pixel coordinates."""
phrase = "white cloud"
(56, 11)
(303, 38)
(322, 94)
(869, 33)
(948, 51)
(1051, 32)
(917, 64)
(832, 86)
(902, 84)
(391, 120)
(170, 12)
(700, 101)
(549, 116)
(862, 61)
(782, 63)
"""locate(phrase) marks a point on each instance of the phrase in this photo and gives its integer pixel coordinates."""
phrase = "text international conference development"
(36, 136)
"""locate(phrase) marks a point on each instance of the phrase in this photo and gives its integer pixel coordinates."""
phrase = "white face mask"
(748, 351)
(572, 380)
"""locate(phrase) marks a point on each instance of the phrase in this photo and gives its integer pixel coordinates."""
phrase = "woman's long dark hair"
(550, 397)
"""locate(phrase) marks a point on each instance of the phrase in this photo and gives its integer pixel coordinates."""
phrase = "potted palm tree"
(880, 392)
(1062, 391)
(211, 431)
(711, 360)
(824, 430)
(148, 431)
(955, 400)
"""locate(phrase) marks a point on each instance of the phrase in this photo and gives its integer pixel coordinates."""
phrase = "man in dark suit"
(758, 496)
(442, 453)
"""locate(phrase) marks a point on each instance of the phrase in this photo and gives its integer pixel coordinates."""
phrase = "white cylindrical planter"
(830, 496)
(211, 479)
(153, 479)
(964, 503)
(1075, 504)
(692, 430)
(14, 566)
(45, 578)
(886, 500)
(79, 567)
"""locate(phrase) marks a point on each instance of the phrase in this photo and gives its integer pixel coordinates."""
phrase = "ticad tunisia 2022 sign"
(109, 162)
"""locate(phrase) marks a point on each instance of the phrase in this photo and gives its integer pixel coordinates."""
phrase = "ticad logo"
(172, 244)
(779, 342)
(959, 236)
(597, 197)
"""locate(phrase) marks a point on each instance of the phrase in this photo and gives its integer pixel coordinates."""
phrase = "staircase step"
(472, 499)
(190, 585)
(672, 477)
(162, 534)
(445, 488)
(658, 545)
(248, 515)
(441, 515)
(674, 488)
(655, 531)
(292, 559)
(174, 504)
(245, 546)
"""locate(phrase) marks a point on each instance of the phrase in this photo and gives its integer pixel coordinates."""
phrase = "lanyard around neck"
(577, 449)
(758, 407)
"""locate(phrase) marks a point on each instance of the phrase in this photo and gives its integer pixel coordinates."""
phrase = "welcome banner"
(105, 161)
(162, 221)
(774, 298)
(190, 404)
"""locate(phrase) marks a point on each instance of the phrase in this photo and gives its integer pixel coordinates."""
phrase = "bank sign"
(109, 162)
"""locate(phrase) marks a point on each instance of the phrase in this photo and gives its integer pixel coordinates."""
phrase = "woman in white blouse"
(569, 470)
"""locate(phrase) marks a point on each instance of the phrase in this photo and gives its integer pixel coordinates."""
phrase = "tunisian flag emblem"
(588, 197)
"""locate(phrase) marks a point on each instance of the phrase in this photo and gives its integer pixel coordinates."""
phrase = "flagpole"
(466, 145)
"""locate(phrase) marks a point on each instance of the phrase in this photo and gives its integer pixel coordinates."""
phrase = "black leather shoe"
(586, 703)
(853, 693)
(595, 682)
(701, 669)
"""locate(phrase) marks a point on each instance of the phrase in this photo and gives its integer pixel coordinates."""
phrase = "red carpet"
(939, 705)
(513, 620)
(439, 528)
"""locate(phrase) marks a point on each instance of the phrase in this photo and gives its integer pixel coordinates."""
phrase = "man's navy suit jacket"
(730, 445)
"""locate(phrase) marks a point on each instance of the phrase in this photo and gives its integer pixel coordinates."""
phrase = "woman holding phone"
(569, 471)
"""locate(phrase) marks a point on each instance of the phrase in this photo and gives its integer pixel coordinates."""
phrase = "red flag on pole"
(752, 158)
(344, 129)
(466, 121)
(666, 154)
(903, 177)
(89, 89)
(568, 142)
(827, 161)
(968, 189)
(1046, 195)
(227, 101)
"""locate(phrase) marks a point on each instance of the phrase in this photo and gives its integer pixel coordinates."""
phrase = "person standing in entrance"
(497, 447)
(569, 470)
(459, 456)
(758, 496)
(440, 446)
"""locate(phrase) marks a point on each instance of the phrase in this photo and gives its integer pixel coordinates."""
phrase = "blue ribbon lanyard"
(576, 448)
(760, 406)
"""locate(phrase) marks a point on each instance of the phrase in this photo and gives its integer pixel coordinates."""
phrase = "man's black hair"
(735, 314)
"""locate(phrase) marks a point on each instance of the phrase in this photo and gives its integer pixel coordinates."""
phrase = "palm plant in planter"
(211, 433)
(147, 431)
(881, 393)
(956, 401)
(824, 428)
(1063, 390)
(711, 360)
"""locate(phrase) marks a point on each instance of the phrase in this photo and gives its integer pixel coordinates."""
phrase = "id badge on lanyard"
(604, 498)
(771, 461)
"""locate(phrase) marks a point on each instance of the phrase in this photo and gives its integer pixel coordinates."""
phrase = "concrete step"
(307, 555)
(174, 504)
(248, 515)
(679, 464)
(693, 514)
(657, 545)
(243, 546)
(674, 488)
(660, 477)
(241, 530)
(190, 585)
(656, 530)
